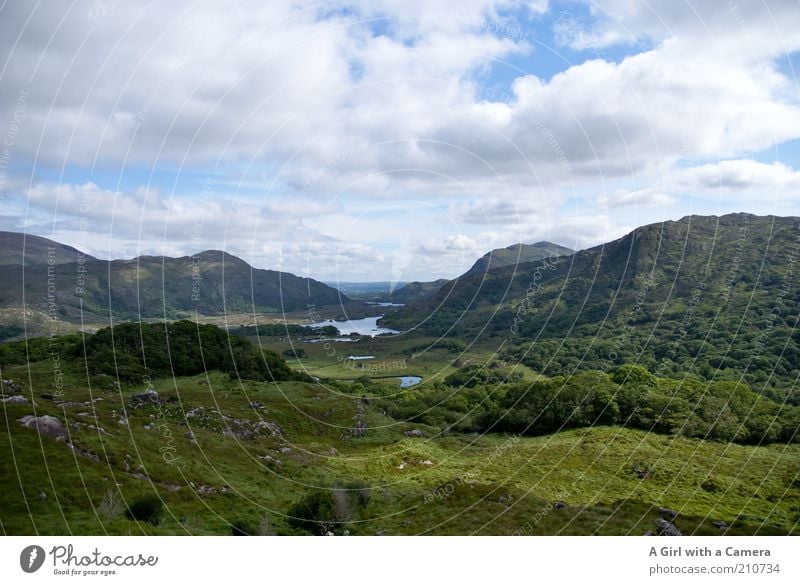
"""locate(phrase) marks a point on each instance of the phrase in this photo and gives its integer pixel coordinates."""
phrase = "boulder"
(9, 387)
(149, 397)
(46, 425)
(722, 525)
(414, 433)
(665, 528)
(16, 399)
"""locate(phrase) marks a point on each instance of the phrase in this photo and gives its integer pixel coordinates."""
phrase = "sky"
(372, 140)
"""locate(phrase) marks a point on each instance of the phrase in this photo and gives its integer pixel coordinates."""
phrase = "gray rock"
(414, 433)
(9, 387)
(46, 425)
(559, 505)
(722, 525)
(16, 399)
(665, 528)
(255, 405)
(149, 397)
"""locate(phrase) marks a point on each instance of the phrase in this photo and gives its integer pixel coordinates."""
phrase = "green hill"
(17, 248)
(517, 254)
(210, 283)
(715, 297)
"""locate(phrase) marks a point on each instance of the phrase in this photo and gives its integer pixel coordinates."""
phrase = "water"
(361, 357)
(408, 381)
(367, 326)
(376, 304)
(323, 339)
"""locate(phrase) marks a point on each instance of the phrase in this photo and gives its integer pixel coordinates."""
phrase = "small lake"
(376, 304)
(367, 326)
(361, 357)
(408, 381)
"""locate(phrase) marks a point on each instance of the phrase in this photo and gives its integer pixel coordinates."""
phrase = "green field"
(200, 451)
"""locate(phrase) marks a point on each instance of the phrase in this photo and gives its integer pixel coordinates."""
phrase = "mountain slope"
(417, 291)
(211, 283)
(16, 247)
(711, 296)
(517, 254)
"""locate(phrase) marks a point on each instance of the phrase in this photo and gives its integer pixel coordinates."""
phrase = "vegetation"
(713, 298)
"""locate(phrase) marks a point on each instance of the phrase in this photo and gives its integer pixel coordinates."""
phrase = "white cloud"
(646, 197)
(320, 105)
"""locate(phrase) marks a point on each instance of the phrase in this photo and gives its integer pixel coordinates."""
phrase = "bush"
(242, 527)
(146, 509)
(314, 513)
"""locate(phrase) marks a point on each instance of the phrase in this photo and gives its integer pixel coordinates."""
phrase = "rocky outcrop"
(46, 425)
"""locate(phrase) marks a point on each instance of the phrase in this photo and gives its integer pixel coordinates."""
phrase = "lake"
(408, 381)
(367, 326)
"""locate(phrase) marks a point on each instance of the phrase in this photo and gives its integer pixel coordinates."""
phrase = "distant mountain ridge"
(212, 282)
(19, 248)
(517, 254)
(704, 295)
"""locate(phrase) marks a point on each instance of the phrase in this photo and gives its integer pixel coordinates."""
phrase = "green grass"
(473, 484)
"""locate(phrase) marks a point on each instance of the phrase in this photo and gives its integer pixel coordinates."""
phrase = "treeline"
(133, 351)
(284, 330)
(630, 396)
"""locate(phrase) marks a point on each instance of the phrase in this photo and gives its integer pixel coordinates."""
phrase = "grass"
(451, 484)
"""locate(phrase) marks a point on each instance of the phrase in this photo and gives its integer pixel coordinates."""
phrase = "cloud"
(741, 175)
(317, 106)
(647, 197)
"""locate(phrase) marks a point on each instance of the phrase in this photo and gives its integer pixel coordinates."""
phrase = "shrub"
(242, 527)
(314, 513)
(146, 509)
(111, 507)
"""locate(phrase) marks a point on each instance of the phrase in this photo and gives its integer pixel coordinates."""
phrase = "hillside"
(709, 296)
(211, 283)
(417, 291)
(16, 247)
(517, 254)
(204, 450)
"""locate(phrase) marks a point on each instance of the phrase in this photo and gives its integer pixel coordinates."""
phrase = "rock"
(329, 533)
(43, 496)
(115, 385)
(667, 513)
(265, 425)
(16, 399)
(285, 450)
(189, 435)
(414, 433)
(720, 524)
(427, 462)
(505, 498)
(649, 533)
(255, 405)
(665, 528)
(9, 387)
(360, 429)
(559, 505)
(271, 460)
(46, 425)
(149, 397)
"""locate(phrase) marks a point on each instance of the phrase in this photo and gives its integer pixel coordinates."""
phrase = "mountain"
(16, 247)
(517, 254)
(709, 296)
(210, 283)
(417, 291)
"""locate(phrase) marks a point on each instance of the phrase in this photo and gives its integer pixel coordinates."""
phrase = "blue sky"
(391, 140)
